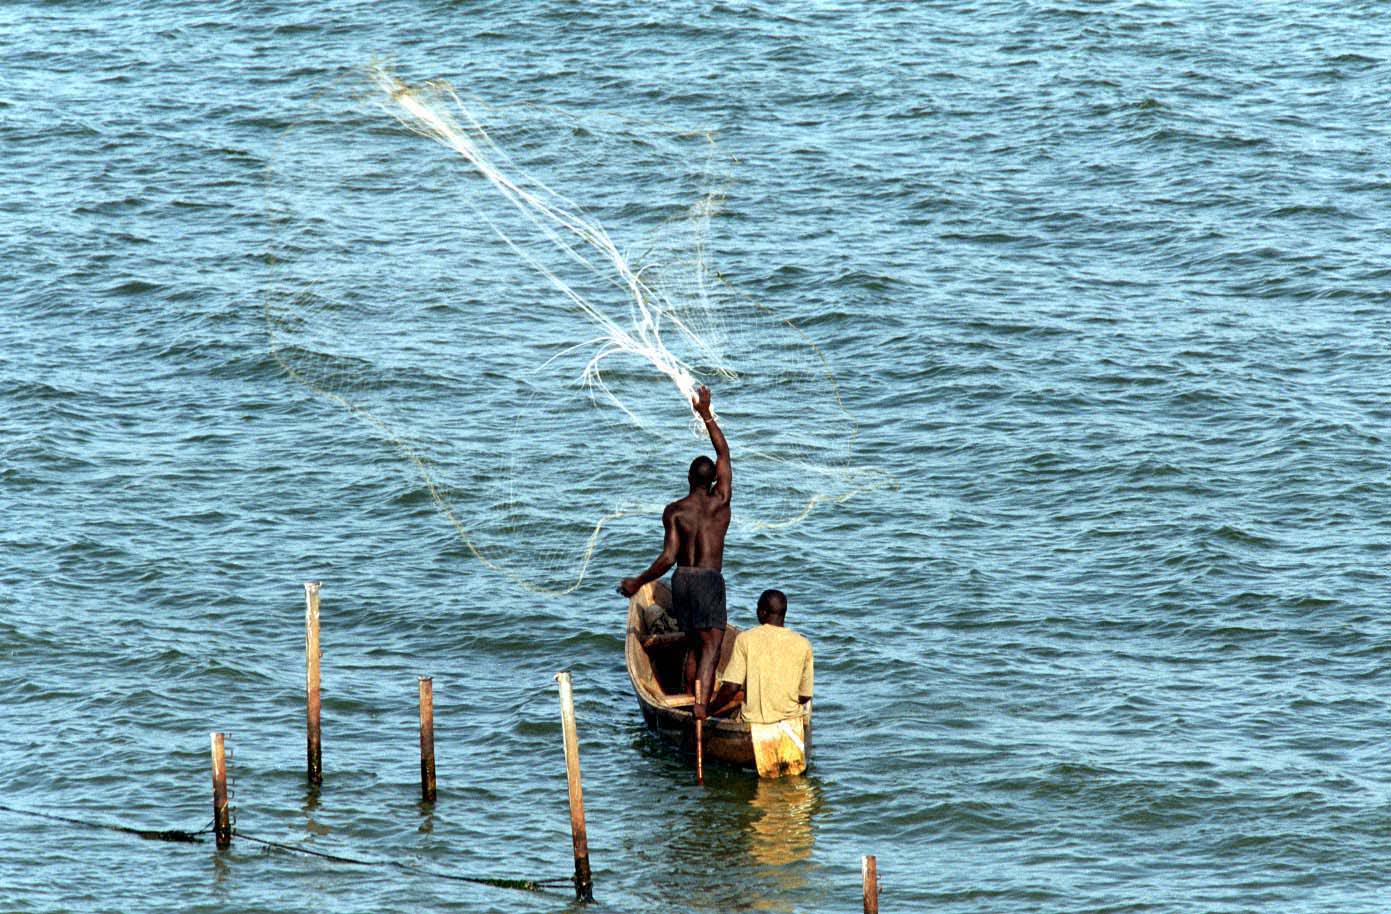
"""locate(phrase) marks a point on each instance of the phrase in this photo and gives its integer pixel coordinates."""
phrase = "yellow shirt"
(773, 664)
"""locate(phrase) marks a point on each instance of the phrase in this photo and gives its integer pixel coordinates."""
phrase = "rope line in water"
(149, 834)
(526, 885)
(194, 837)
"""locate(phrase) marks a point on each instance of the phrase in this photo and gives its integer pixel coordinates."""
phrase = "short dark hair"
(772, 602)
(702, 473)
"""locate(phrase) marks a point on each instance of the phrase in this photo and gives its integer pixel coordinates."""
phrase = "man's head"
(702, 474)
(772, 607)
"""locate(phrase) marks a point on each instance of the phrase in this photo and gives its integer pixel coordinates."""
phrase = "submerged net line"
(198, 837)
(531, 389)
(176, 835)
(501, 882)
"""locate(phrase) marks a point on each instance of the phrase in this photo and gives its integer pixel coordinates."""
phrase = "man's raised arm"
(724, 470)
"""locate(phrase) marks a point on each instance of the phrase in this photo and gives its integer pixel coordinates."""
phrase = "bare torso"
(701, 521)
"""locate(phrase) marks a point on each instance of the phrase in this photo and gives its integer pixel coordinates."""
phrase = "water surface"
(1105, 284)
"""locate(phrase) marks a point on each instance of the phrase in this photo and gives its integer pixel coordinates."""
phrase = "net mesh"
(533, 357)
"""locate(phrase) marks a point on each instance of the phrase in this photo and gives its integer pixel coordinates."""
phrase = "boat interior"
(656, 648)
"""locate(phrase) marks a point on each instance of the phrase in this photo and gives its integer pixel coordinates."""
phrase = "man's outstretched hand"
(701, 403)
(628, 586)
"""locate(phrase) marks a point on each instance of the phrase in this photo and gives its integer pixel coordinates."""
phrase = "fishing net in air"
(521, 302)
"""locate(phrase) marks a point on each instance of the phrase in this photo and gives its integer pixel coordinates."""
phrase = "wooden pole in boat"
(427, 739)
(699, 740)
(869, 875)
(584, 882)
(222, 814)
(311, 681)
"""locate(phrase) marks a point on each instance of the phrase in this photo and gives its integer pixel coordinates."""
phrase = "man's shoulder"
(679, 504)
(780, 635)
(750, 635)
(798, 638)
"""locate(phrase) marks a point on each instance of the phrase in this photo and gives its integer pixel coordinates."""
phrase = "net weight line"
(149, 834)
(195, 837)
(526, 885)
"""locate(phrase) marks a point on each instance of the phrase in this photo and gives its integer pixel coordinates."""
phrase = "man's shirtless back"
(701, 520)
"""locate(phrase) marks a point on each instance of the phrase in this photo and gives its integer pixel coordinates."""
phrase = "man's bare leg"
(688, 666)
(710, 641)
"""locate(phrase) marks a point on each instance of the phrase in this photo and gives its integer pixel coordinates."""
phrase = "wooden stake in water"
(869, 875)
(427, 739)
(311, 684)
(584, 883)
(222, 813)
(699, 740)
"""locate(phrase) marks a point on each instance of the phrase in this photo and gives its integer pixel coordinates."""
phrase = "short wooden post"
(584, 883)
(427, 739)
(699, 740)
(311, 684)
(869, 875)
(222, 814)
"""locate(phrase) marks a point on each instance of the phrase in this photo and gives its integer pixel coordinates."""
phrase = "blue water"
(1104, 283)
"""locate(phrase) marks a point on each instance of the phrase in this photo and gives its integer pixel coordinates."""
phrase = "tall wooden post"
(869, 875)
(427, 739)
(311, 685)
(222, 814)
(584, 883)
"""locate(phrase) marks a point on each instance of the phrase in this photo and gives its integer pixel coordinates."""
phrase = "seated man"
(771, 664)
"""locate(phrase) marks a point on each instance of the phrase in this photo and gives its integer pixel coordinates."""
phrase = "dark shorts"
(697, 598)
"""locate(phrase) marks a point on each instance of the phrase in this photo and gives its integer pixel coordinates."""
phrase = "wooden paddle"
(700, 741)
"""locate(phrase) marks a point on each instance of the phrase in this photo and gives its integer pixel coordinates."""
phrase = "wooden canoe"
(666, 709)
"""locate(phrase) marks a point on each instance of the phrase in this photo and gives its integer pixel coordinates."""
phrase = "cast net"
(521, 302)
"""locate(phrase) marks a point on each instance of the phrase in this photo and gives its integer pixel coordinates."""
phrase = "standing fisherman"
(694, 541)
